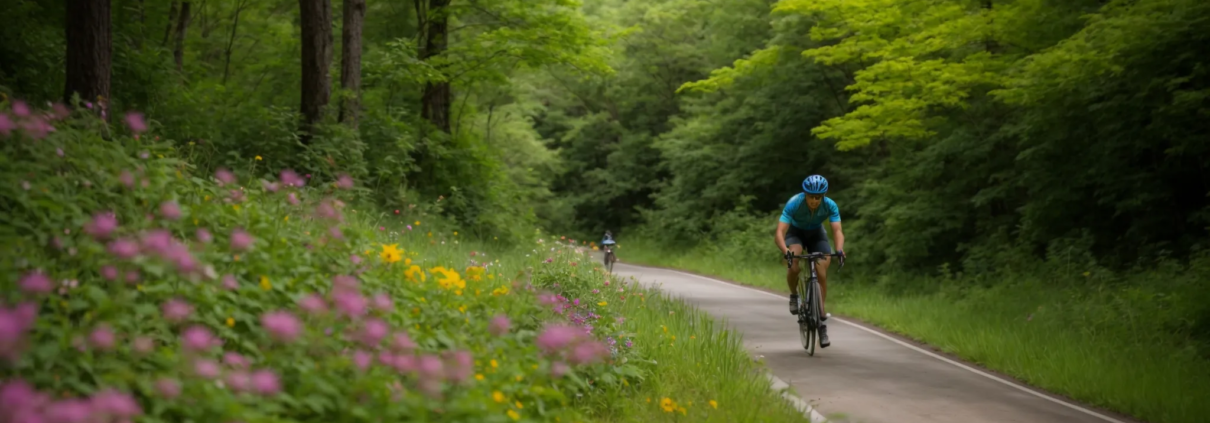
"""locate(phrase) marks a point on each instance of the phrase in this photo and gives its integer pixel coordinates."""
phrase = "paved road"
(865, 375)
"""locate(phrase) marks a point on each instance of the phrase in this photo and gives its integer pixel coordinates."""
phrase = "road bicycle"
(609, 258)
(809, 317)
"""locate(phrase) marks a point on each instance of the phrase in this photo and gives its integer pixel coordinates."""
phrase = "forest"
(1029, 152)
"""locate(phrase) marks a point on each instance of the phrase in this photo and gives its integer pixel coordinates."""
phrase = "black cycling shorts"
(811, 240)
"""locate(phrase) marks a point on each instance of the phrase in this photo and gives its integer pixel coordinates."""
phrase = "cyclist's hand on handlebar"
(841, 257)
(788, 255)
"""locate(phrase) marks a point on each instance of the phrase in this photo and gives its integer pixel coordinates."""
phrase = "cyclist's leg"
(794, 243)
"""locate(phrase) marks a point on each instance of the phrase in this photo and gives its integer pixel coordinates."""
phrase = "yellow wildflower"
(430, 234)
(519, 405)
(498, 396)
(235, 207)
(714, 403)
(407, 262)
(462, 309)
(258, 158)
(264, 283)
(602, 303)
(414, 273)
(474, 273)
(417, 223)
(479, 376)
(513, 415)
(667, 405)
(494, 364)
(236, 257)
(455, 233)
(681, 409)
(230, 322)
(518, 378)
(391, 253)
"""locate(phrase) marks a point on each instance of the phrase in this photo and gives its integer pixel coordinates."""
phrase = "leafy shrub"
(136, 287)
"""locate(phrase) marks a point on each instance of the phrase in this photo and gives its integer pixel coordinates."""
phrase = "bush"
(136, 287)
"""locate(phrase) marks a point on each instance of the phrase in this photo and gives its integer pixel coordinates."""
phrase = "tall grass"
(1115, 341)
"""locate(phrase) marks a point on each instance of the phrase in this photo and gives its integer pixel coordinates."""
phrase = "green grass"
(1101, 344)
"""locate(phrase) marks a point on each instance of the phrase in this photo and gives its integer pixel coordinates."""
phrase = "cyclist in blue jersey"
(801, 227)
(608, 244)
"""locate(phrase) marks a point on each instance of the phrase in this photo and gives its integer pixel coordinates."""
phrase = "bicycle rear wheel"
(609, 262)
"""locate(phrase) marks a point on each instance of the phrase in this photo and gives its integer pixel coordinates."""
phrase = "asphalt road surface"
(865, 376)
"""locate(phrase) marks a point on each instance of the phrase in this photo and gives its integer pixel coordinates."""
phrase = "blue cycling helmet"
(815, 184)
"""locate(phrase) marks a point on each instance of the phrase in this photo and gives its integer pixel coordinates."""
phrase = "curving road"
(864, 376)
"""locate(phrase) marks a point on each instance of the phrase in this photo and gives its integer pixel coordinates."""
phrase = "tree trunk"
(316, 16)
(89, 51)
(436, 97)
(350, 55)
(171, 20)
(182, 24)
(239, 7)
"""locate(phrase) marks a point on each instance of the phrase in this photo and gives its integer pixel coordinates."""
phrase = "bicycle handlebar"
(809, 256)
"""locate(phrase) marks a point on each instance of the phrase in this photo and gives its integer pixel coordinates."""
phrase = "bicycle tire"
(816, 315)
(806, 326)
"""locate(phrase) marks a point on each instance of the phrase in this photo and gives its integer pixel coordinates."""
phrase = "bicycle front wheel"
(806, 312)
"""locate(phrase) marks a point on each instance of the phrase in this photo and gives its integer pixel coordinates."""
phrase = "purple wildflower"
(198, 338)
(176, 310)
(265, 382)
(168, 388)
(373, 331)
(224, 176)
(101, 225)
(344, 182)
(234, 360)
(170, 210)
(204, 235)
(403, 342)
(281, 325)
(362, 359)
(240, 240)
(499, 325)
(36, 283)
(557, 337)
(206, 368)
(383, 302)
(229, 282)
(136, 122)
(312, 303)
(102, 337)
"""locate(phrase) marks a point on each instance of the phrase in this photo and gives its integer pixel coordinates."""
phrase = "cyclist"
(608, 244)
(802, 228)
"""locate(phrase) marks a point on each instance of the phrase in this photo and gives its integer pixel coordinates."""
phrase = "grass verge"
(1101, 344)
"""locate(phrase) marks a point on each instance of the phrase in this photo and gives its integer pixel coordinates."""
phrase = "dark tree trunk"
(182, 24)
(239, 7)
(171, 21)
(89, 50)
(350, 55)
(316, 16)
(436, 97)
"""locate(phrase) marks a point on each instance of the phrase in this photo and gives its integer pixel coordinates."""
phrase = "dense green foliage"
(140, 288)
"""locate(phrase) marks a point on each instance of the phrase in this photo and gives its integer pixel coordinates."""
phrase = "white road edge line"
(806, 409)
(920, 350)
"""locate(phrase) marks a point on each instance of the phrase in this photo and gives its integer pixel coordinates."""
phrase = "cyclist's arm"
(839, 235)
(780, 237)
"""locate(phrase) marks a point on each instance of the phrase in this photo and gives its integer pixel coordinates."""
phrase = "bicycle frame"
(809, 317)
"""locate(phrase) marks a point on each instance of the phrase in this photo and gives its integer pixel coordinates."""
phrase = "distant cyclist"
(801, 227)
(608, 243)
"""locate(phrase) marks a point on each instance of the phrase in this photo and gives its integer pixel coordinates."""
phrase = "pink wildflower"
(101, 225)
(383, 302)
(6, 125)
(168, 388)
(291, 179)
(292, 199)
(403, 342)
(270, 186)
(110, 273)
(373, 332)
(344, 283)
(430, 367)
(499, 325)
(20, 109)
(224, 176)
(461, 366)
(362, 359)
(350, 303)
(229, 282)
(265, 382)
(68, 411)
(281, 325)
(198, 338)
(588, 352)
(239, 381)
(170, 210)
(126, 178)
(335, 233)
(205, 368)
(356, 259)
(36, 283)
(176, 310)
(115, 403)
(136, 122)
(204, 235)
(345, 182)
(405, 363)
(156, 241)
(61, 111)
(312, 303)
(557, 337)
(558, 369)
(234, 360)
(143, 345)
(240, 240)
(102, 338)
